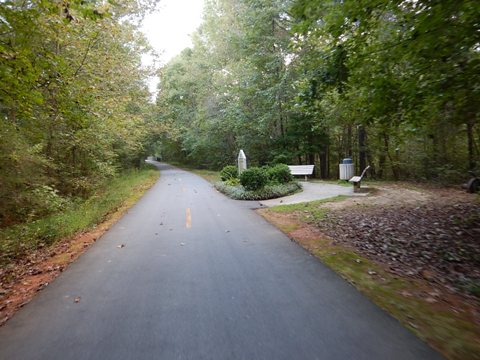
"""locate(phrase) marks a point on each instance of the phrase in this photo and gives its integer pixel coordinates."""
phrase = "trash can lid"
(347, 161)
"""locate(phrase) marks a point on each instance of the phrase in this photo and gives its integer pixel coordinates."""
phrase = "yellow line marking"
(189, 219)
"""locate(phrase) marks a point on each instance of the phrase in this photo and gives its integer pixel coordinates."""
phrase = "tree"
(73, 98)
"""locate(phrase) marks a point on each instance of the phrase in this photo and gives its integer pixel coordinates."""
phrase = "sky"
(168, 29)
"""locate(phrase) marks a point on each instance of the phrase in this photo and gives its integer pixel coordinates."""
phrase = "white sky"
(168, 29)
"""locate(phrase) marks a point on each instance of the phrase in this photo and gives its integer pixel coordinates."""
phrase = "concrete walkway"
(313, 191)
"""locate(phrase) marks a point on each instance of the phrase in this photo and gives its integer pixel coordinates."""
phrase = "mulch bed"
(437, 241)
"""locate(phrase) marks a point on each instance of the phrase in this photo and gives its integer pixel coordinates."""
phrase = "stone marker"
(242, 162)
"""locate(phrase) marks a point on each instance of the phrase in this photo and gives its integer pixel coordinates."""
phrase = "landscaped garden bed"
(257, 183)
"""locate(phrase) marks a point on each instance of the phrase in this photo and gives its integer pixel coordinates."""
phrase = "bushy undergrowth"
(254, 179)
(279, 174)
(18, 240)
(229, 172)
(269, 191)
(257, 183)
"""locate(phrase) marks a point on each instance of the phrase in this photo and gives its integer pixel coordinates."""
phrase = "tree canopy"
(73, 99)
(393, 84)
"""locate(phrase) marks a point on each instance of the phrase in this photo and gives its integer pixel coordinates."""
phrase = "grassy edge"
(210, 175)
(114, 198)
(450, 331)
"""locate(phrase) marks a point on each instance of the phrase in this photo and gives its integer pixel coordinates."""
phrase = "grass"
(446, 322)
(211, 176)
(334, 182)
(308, 211)
(19, 240)
(454, 334)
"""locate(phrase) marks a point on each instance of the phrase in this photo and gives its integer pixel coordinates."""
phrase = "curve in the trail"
(201, 277)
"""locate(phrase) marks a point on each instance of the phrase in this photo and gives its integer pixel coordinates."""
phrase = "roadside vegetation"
(412, 250)
(391, 84)
(75, 110)
(211, 176)
(18, 241)
(256, 183)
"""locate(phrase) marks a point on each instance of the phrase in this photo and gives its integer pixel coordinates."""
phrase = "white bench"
(356, 180)
(301, 170)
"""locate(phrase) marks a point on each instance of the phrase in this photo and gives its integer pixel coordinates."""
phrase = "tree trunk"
(471, 156)
(383, 156)
(348, 148)
(361, 148)
(323, 165)
(311, 159)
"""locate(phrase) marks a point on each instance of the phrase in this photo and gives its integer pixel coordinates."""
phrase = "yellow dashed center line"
(189, 219)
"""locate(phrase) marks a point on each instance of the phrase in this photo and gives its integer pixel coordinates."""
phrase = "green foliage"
(269, 191)
(229, 91)
(232, 182)
(229, 172)
(74, 104)
(306, 81)
(279, 174)
(254, 178)
(281, 159)
(47, 201)
(18, 240)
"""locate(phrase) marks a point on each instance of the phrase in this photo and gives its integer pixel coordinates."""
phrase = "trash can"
(347, 169)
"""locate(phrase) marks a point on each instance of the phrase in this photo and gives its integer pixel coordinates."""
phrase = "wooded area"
(74, 102)
(393, 84)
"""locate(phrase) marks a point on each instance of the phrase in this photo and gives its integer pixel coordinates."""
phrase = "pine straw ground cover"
(415, 251)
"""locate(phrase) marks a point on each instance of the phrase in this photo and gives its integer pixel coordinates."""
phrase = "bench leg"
(306, 178)
(356, 186)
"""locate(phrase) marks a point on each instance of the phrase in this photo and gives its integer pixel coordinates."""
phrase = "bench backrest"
(301, 169)
(364, 171)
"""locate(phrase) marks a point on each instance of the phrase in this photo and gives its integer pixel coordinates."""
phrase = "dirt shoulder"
(21, 280)
(414, 250)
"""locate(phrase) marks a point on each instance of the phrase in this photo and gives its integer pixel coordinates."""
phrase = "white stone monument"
(242, 162)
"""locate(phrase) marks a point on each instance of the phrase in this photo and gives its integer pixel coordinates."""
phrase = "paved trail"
(201, 277)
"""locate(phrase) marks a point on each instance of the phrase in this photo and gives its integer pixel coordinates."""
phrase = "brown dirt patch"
(432, 233)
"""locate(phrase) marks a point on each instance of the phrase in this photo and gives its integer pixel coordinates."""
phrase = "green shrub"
(229, 172)
(19, 240)
(279, 174)
(253, 179)
(232, 182)
(47, 201)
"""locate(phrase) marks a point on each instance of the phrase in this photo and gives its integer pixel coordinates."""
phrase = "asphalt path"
(201, 277)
